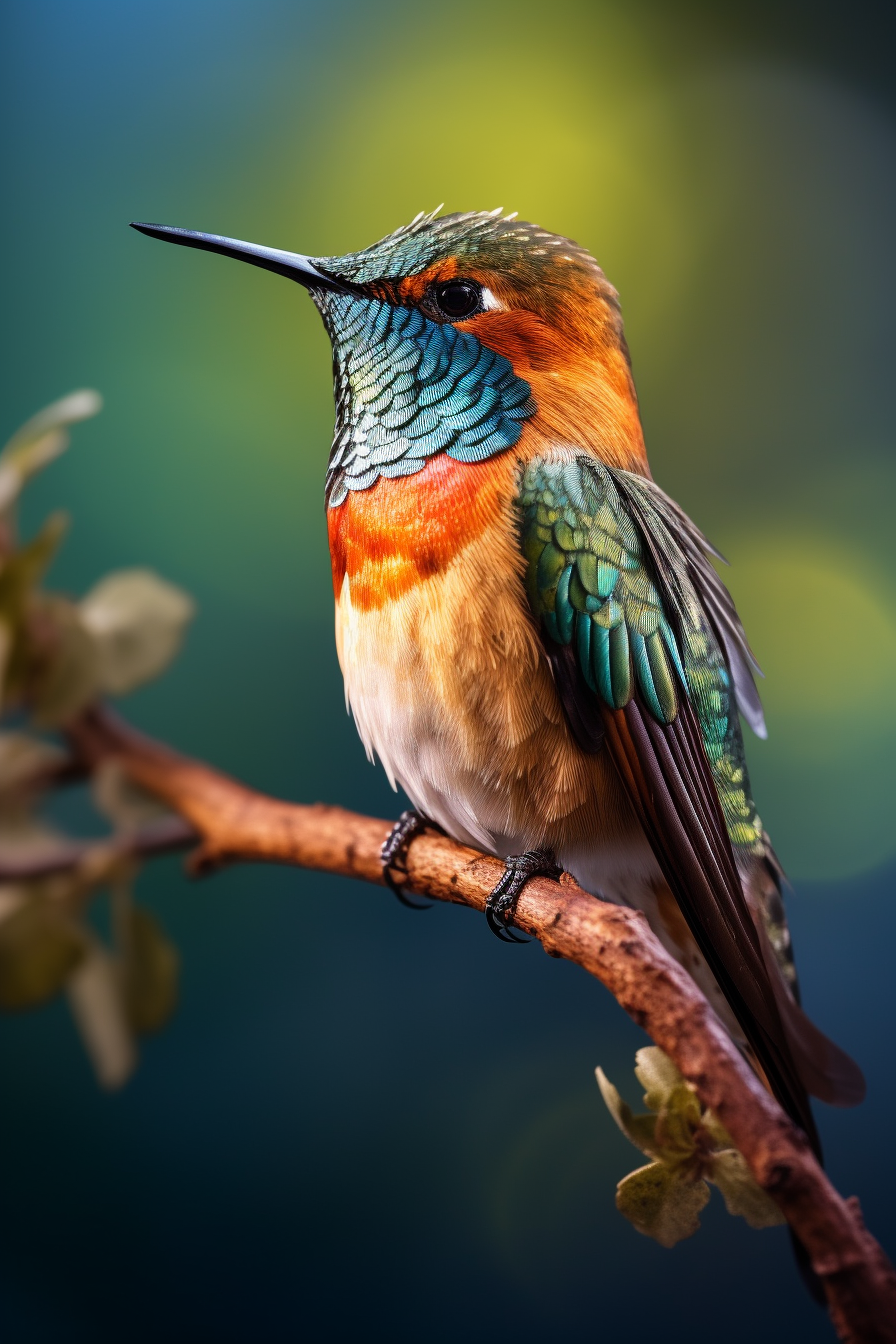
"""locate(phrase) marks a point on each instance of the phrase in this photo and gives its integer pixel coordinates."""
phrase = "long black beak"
(291, 264)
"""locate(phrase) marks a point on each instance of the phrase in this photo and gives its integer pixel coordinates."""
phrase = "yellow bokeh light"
(597, 154)
(824, 629)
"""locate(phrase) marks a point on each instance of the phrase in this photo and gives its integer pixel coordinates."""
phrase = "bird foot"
(394, 851)
(518, 868)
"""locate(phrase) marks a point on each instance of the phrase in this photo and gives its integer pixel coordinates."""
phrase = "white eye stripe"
(490, 303)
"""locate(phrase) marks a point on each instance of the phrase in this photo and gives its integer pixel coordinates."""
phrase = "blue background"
(365, 1123)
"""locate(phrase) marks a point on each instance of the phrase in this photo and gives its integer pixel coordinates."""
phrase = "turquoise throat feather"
(641, 648)
(407, 387)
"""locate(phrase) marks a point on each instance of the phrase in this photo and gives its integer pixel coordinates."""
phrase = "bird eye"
(458, 298)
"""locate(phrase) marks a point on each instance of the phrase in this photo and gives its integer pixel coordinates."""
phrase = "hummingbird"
(534, 639)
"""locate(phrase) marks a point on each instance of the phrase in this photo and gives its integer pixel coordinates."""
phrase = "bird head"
(451, 334)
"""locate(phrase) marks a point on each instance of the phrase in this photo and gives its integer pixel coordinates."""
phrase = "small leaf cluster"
(59, 655)
(688, 1147)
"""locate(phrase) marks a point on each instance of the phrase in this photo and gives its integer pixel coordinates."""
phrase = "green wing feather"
(590, 580)
(642, 636)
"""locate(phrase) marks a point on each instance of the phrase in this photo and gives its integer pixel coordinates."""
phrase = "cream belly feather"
(450, 689)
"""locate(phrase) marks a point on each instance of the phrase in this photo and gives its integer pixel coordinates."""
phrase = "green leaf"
(676, 1124)
(6, 647)
(97, 1004)
(638, 1129)
(743, 1196)
(151, 972)
(39, 948)
(23, 758)
(663, 1200)
(69, 678)
(718, 1134)
(662, 1203)
(20, 633)
(137, 622)
(40, 440)
(26, 567)
(658, 1076)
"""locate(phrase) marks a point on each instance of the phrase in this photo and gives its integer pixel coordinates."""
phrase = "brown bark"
(612, 943)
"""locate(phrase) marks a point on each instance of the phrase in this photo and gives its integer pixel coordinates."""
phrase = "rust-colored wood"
(612, 943)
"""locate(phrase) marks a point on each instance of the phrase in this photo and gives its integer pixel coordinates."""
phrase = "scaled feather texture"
(648, 663)
(534, 639)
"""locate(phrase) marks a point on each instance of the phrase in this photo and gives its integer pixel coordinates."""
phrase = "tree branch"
(612, 943)
(163, 836)
(51, 774)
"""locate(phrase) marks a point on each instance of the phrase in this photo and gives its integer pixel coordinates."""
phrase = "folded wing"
(650, 657)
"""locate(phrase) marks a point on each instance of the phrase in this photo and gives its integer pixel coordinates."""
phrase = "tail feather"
(826, 1071)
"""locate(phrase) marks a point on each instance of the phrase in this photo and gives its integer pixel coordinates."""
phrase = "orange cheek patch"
(524, 338)
(580, 380)
(400, 532)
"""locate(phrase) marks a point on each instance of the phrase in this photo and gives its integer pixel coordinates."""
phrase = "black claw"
(518, 868)
(393, 853)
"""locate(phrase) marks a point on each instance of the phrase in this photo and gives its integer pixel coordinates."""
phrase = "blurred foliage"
(57, 656)
(688, 1147)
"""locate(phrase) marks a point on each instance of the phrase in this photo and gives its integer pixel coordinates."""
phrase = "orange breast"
(401, 531)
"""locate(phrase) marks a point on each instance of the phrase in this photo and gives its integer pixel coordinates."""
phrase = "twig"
(611, 942)
(163, 836)
(51, 774)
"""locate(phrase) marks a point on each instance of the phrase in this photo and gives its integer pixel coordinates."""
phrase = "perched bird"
(534, 640)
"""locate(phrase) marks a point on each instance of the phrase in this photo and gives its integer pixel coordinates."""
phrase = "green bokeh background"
(365, 1123)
